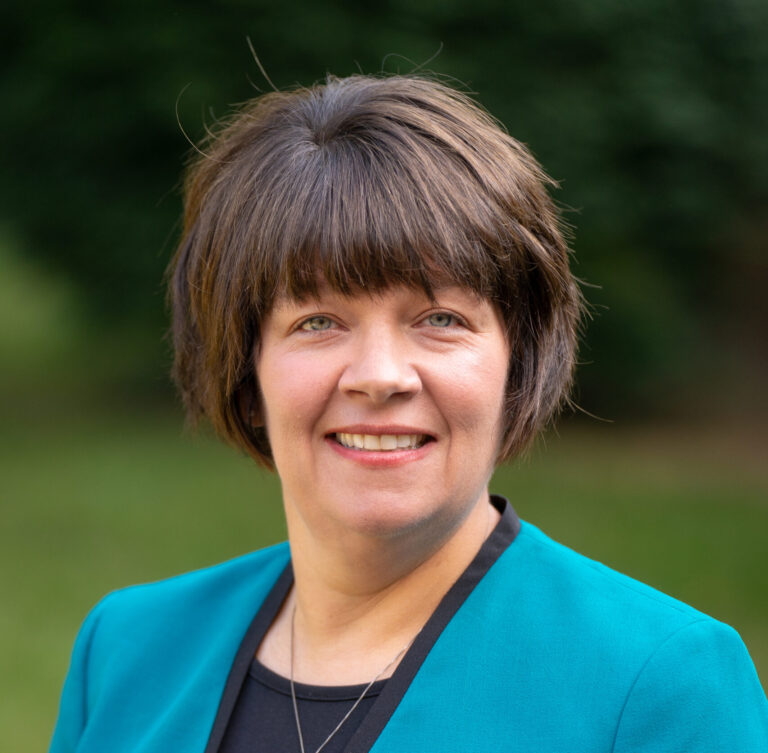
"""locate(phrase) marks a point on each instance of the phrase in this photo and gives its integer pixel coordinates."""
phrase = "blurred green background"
(653, 116)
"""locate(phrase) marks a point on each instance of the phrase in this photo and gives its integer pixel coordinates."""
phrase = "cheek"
(474, 397)
(293, 396)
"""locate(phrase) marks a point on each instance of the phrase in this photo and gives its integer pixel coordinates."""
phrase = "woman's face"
(384, 412)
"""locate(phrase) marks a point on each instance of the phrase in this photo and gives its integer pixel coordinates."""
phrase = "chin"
(394, 514)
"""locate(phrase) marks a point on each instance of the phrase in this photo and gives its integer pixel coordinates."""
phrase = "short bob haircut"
(365, 182)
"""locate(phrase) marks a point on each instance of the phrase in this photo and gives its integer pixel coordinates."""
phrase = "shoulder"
(596, 595)
(191, 596)
(166, 625)
(169, 644)
(697, 690)
(666, 671)
(209, 584)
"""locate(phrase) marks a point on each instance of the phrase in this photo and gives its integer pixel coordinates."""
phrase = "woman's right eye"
(316, 324)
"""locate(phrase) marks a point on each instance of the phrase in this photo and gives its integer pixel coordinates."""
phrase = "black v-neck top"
(263, 718)
(256, 710)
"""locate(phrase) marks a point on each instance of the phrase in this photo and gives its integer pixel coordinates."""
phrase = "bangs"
(350, 213)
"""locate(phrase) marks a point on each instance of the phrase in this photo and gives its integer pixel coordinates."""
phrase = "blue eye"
(441, 319)
(316, 324)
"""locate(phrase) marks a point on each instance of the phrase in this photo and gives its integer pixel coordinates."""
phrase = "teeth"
(381, 442)
(388, 442)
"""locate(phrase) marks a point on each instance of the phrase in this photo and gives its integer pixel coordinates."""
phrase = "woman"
(372, 296)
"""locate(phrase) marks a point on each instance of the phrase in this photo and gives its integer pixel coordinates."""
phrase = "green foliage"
(652, 114)
(38, 318)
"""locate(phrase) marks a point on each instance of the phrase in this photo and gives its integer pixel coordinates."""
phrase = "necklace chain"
(354, 705)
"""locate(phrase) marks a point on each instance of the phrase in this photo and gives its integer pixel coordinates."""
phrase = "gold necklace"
(354, 705)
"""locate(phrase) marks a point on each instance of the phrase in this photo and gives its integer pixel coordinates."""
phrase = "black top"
(263, 718)
(256, 710)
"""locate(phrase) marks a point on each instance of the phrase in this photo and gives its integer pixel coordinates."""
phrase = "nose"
(379, 368)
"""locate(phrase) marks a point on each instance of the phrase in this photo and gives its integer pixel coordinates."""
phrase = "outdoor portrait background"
(652, 116)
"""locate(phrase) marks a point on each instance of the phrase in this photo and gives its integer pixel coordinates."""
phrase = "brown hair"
(366, 182)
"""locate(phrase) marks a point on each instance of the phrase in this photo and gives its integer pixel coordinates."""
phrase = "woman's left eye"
(441, 319)
(316, 324)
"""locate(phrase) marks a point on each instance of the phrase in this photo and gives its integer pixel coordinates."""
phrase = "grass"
(93, 503)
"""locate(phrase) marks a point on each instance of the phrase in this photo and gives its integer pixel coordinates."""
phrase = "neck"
(359, 600)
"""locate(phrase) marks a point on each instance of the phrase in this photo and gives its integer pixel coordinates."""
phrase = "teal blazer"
(547, 652)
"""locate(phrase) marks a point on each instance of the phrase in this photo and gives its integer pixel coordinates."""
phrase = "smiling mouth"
(381, 442)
